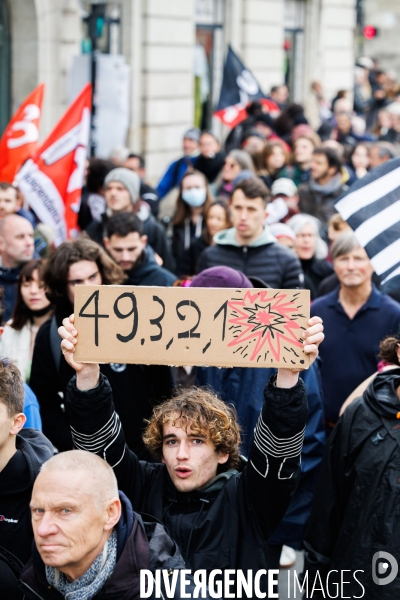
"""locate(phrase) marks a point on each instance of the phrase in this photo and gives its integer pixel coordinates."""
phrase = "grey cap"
(192, 134)
(128, 178)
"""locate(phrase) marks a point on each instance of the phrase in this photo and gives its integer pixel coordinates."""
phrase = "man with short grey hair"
(381, 152)
(88, 541)
(17, 247)
(357, 313)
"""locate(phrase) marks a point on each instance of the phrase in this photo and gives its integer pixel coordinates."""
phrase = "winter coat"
(149, 272)
(210, 167)
(136, 389)
(16, 483)
(315, 271)
(140, 545)
(173, 175)
(264, 258)
(8, 281)
(156, 237)
(319, 201)
(182, 238)
(244, 387)
(191, 257)
(226, 524)
(31, 410)
(356, 506)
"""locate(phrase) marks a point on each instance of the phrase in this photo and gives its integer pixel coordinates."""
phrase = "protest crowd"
(113, 469)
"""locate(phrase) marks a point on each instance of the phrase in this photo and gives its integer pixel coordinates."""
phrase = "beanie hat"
(128, 178)
(221, 277)
(282, 230)
(192, 134)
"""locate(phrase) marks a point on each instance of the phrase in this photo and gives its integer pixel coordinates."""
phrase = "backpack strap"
(55, 343)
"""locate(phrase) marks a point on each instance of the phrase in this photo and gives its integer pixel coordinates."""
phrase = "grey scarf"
(329, 188)
(91, 582)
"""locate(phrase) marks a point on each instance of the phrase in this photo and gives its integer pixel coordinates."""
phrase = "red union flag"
(20, 138)
(52, 179)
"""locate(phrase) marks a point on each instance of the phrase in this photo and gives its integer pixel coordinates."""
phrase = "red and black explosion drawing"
(262, 322)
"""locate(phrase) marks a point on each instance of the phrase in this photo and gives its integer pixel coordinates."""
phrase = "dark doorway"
(5, 66)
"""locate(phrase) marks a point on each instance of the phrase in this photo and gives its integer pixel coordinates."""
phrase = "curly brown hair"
(204, 413)
(55, 275)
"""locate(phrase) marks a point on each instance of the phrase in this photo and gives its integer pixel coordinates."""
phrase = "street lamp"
(96, 14)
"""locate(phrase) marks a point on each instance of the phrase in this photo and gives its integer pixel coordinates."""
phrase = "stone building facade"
(314, 38)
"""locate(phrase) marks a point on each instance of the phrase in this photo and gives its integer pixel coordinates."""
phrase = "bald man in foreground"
(16, 248)
(88, 541)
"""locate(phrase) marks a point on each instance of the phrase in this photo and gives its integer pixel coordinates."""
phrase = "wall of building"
(157, 40)
(330, 49)
(385, 16)
(46, 36)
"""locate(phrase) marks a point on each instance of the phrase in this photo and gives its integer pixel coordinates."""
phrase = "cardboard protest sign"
(191, 326)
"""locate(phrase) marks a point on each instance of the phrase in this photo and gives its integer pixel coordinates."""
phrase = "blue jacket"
(244, 388)
(173, 175)
(31, 410)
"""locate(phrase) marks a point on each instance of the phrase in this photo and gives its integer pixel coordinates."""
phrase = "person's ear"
(106, 242)
(17, 423)
(143, 239)
(223, 458)
(113, 514)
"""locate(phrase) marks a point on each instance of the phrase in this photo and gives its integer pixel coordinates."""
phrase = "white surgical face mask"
(195, 196)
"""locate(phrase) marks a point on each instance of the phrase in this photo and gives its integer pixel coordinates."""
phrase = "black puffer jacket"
(356, 506)
(225, 525)
(265, 258)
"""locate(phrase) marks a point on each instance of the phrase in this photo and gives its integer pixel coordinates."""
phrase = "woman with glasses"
(32, 309)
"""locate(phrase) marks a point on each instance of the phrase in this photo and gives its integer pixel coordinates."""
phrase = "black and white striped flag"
(371, 207)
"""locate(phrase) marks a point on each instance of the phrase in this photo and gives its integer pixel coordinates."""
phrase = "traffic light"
(370, 32)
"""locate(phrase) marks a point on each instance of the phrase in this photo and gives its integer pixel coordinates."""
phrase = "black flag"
(372, 209)
(239, 87)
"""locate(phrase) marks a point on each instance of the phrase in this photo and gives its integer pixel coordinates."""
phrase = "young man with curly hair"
(220, 510)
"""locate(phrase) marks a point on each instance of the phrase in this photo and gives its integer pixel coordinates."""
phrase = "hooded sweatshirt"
(264, 257)
(16, 482)
(148, 272)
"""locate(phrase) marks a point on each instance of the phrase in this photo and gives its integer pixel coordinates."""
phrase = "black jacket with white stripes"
(227, 524)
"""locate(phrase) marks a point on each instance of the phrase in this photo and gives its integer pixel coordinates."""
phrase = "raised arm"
(273, 470)
(95, 425)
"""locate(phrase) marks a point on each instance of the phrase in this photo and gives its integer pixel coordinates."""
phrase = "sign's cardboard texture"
(191, 326)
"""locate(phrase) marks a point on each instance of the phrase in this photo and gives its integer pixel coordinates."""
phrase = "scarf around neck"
(91, 582)
(329, 188)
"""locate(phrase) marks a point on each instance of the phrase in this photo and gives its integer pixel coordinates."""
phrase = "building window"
(294, 20)
(209, 17)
